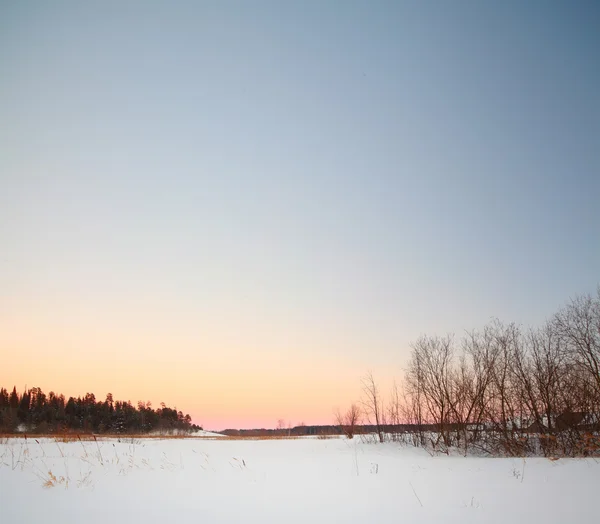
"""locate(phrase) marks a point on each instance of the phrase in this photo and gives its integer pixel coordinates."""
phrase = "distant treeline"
(297, 431)
(324, 430)
(35, 412)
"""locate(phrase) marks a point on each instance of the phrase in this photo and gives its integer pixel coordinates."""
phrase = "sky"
(240, 208)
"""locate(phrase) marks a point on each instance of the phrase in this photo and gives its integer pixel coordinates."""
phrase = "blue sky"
(330, 178)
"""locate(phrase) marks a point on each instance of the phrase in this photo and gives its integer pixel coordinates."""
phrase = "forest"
(34, 411)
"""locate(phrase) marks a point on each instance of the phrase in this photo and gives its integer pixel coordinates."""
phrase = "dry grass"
(128, 438)
(262, 437)
(39, 456)
(52, 481)
(89, 437)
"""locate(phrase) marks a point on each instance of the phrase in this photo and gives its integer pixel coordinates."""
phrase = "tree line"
(35, 412)
(502, 390)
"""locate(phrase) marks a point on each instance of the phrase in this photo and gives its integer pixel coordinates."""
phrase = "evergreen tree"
(48, 413)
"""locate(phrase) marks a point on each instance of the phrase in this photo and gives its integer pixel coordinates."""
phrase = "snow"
(207, 434)
(201, 433)
(292, 481)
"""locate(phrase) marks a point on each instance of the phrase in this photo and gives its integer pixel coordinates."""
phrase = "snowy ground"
(203, 433)
(200, 433)
(283, 481)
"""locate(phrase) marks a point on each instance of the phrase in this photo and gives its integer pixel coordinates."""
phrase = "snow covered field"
(283, 481)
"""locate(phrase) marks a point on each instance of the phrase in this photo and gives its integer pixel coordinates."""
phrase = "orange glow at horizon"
(234, 386)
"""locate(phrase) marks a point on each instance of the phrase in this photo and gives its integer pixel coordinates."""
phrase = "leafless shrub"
(349, 421)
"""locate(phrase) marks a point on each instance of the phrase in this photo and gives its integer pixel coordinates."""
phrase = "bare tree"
(429, 377)
(471, 384)
(412, 412)
(505, 409)
(373, 404)
(578, 324)
(394, 411)
(349, 421)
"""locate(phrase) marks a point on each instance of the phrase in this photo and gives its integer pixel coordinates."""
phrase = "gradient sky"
(238, 208)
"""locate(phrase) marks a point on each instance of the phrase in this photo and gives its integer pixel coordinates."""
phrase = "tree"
(14, 399)
(349, 420)
(578, 324)
(373, 404)
(429, 376)
(40, 413)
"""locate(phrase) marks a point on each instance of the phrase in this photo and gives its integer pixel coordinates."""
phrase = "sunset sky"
(239, 208)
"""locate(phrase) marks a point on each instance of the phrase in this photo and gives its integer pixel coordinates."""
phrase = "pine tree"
(14, 398)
